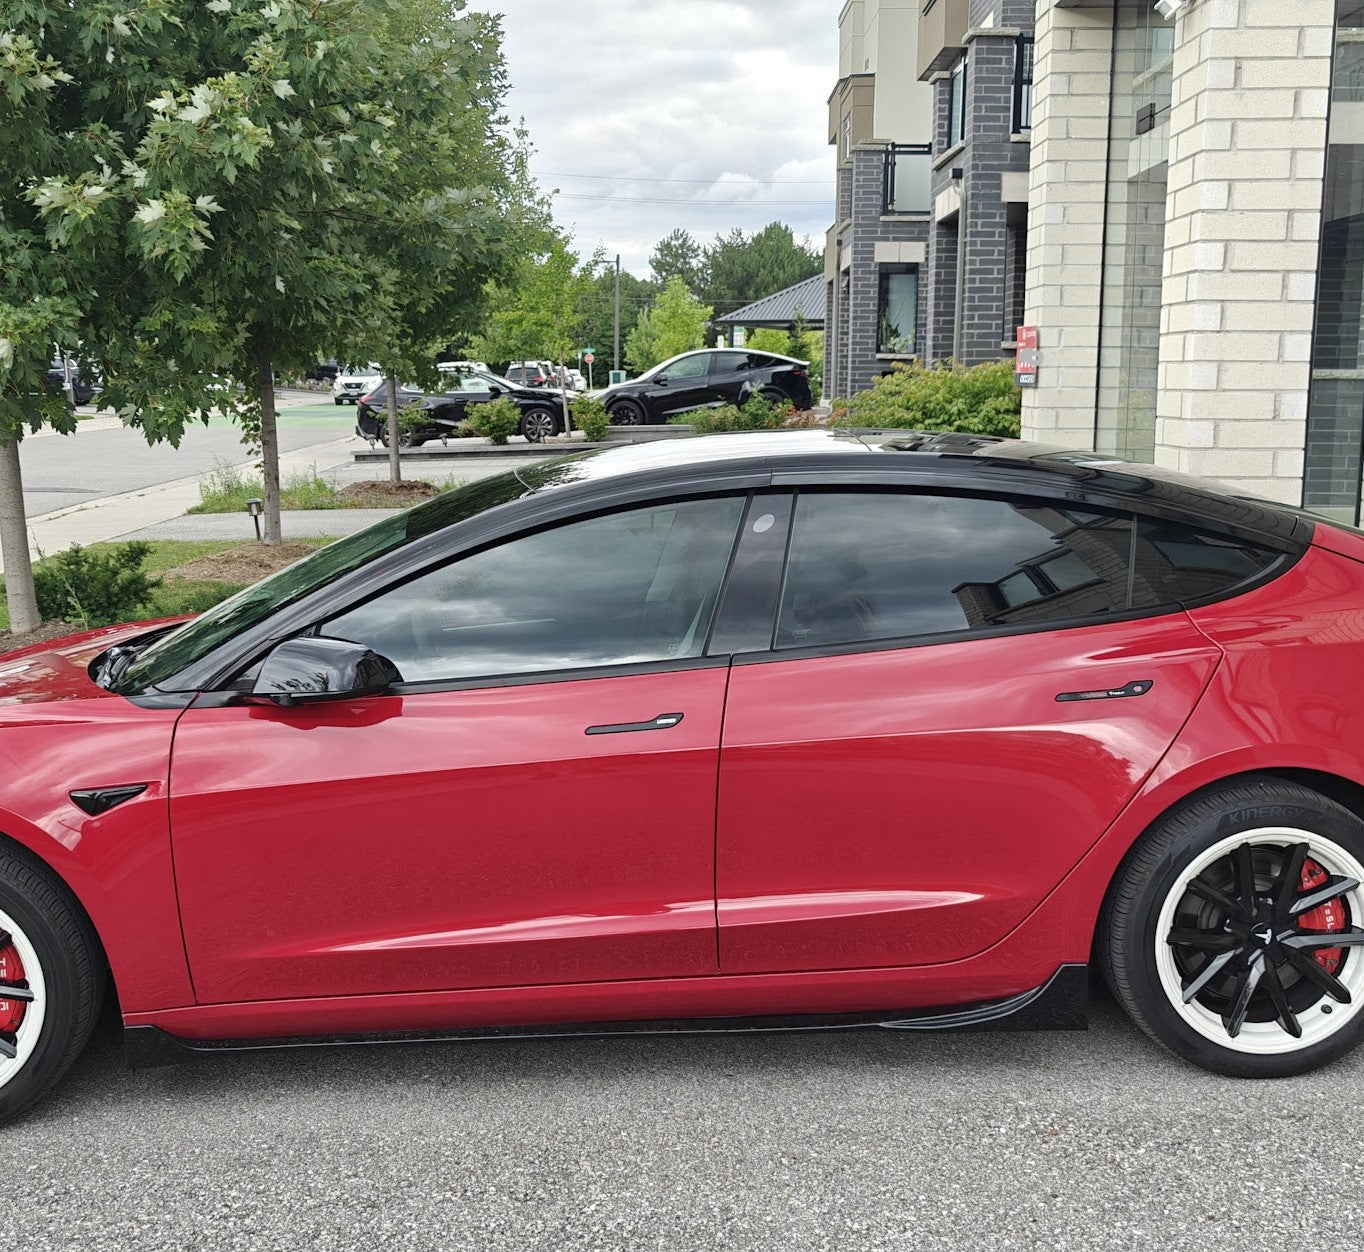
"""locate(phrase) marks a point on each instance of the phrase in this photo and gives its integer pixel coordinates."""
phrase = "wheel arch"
(22, 851)
(1345, 791)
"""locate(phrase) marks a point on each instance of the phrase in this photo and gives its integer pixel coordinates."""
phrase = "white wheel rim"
(1319, 1020)
(31, 1027)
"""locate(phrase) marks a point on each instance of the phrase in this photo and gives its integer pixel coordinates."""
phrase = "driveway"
(840, 1141)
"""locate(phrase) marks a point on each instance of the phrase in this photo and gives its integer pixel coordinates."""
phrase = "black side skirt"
(1059, 1004)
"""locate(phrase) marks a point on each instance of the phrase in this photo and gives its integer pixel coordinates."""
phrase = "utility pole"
(617, 359)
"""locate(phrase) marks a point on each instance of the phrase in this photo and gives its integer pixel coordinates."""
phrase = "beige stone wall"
(1243, 222)
(1065, 219)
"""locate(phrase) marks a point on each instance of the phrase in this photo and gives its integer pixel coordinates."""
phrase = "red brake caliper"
(11, 970)
(1324, 918)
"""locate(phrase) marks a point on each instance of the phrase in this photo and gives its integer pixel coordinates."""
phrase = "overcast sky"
(717, 107)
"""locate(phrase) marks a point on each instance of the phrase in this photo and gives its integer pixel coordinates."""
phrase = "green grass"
(227, 489)
(178, 596)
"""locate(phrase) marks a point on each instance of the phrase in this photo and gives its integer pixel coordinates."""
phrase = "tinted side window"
(628, 587)
(728, 362)
(1177, 563)
(689, 367)
(870, 566)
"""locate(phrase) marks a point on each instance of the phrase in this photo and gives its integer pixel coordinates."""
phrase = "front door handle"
(664, 721)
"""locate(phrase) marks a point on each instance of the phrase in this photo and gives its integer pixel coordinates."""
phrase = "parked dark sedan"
(442, 413)
(699, 380)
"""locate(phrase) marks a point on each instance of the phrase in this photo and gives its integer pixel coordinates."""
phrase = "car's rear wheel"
(774, 396)
(51, 982)
(627, 413)
(539, 424)
(1234, 933)
(405, 437)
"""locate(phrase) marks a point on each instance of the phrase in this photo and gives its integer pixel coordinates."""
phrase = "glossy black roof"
(950, 460)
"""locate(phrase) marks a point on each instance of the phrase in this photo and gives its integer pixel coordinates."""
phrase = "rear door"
(958, 701)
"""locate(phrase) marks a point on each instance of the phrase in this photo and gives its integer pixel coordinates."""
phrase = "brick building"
(1196, 243)
(925, 161)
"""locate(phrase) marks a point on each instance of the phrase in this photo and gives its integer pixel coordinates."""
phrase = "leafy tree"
(742, 268)
(678, 255)
(538, 313)
(676, 323)
(231, 170)
(598, 312)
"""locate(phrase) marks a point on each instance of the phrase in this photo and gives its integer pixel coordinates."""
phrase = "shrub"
(590, 417)
(755, 413)
(981, 400)
(497, 421)
(95, 588)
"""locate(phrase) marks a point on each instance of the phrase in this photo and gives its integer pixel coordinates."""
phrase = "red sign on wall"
(1025, 363)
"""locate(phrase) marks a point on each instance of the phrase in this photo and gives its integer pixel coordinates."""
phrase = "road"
(99, 459)
(782, 1143)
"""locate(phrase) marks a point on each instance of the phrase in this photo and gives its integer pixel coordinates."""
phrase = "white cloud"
(647, 115)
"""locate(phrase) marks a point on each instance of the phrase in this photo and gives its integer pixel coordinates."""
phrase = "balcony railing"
(1023, 85)
(909, 168)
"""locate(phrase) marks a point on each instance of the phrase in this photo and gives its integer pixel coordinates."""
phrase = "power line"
(711, 204)
(701, 182)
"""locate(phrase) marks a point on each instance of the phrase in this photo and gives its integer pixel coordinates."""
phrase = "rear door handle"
(664, 721)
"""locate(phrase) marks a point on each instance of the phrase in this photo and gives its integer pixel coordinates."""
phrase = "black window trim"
(472, 682)
(1280, 565)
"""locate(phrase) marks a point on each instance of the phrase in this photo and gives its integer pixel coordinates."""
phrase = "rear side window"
(868, 566)
(1177, 564)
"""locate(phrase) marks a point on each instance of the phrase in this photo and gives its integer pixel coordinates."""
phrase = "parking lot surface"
(868, 1140)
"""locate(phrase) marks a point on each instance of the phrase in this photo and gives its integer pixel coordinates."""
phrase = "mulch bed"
(10, 642)
(379, 493)
(245, 565)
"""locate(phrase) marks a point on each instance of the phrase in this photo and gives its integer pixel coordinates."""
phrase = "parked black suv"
(698, 380)
(541, 414)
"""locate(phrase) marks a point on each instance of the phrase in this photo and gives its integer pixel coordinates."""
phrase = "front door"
(535, 804)
(945, 725)
(684, 385)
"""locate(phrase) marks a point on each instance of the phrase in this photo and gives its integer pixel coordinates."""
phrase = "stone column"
(1243, 223)
(1071, 93)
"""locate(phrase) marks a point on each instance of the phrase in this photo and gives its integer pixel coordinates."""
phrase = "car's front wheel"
(1234, 933)
(51, 982)
(539, 424)
(627, 413)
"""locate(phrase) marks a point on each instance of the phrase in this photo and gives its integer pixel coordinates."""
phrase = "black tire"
(338, 401)
(1247, 832)
(405, 437)
(72, 973)
(774, 396)
(627, 413)
(539, 423)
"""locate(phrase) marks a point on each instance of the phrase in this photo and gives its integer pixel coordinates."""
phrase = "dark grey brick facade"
(992, 147)
(852, 317)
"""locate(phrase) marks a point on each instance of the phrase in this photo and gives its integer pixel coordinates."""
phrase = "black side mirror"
(495, 392)
(661, 380)
(300, 670)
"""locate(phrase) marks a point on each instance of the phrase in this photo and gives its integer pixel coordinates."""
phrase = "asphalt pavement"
(873, 1140)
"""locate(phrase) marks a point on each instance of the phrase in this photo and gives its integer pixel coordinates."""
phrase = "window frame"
(770, 654)
(957, 78)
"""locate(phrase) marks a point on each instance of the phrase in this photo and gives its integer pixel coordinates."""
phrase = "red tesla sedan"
(800, 729)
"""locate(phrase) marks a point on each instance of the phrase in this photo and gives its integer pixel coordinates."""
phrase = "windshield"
(168, 655)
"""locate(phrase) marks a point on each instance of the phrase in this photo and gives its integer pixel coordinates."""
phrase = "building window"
(1023, 85)
(956, 104)
(1134, 232)
(847, 136)
(1335, 406)
(909, 171)
(897, 318)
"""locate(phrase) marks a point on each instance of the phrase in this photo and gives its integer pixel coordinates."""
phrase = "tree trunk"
(395, 469)
(269, 436)
(23, 605)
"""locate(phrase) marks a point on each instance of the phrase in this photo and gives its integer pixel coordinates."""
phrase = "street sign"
(589, 356)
